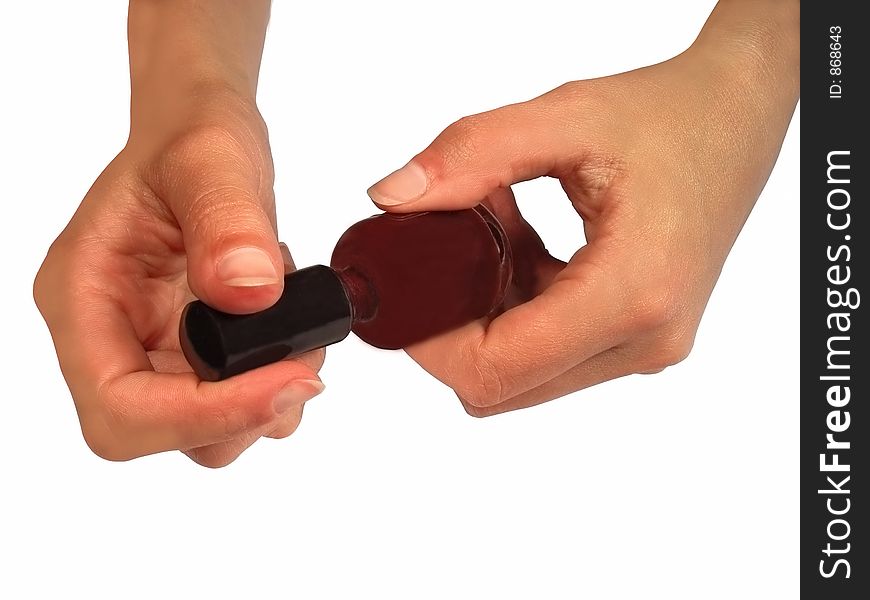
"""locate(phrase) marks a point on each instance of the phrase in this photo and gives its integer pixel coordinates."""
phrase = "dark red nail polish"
(394, 280)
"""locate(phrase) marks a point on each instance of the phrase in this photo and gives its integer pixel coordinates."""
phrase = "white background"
(680, 485)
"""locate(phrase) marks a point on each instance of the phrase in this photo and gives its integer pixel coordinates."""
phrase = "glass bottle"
(393, 280)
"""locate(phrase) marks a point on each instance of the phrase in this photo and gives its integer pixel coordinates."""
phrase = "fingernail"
(297, 392)
(246, 267)
(289, 265)
(400, 187)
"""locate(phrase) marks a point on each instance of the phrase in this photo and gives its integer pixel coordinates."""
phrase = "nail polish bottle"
(393, 280)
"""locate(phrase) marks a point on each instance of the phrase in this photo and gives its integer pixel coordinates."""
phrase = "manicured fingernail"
(400, 187)
(297, 392)
(247, 267)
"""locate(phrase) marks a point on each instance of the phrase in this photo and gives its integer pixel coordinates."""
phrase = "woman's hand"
(185, 209)
(191, 215)
(663, 166)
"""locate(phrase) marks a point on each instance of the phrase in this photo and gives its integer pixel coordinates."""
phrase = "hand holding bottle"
(186, 208)
(663, 166)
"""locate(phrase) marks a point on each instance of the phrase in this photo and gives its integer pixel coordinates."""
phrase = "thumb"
(475, 156)
(234, 263)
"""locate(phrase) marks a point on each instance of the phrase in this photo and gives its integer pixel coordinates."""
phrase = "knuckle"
(651, 371)
(206, 213)
(104, 446)
(239, 418)
(473, 411)
(236, 420)
(39, 289)
(672, 352)
(216, 456)
(568, 90)
(227, 411)
(585, 94)
(102, 440)
(464, 139)
(658, 307)
(45, 279)
(482, 387)
(103, 427)
(467, 127)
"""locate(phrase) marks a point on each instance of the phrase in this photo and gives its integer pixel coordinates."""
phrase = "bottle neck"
(361, 294)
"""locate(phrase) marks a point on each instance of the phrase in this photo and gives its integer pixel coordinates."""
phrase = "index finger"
(579, 315)
(126, 409)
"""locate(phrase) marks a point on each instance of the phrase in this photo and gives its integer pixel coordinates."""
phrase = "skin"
(193, 184)
(662, 165)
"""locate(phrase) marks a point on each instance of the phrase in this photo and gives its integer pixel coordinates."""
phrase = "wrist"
(183, 105)
(754, 39)
(188, 57)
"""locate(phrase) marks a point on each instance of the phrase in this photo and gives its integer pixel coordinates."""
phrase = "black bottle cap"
(314, 311)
